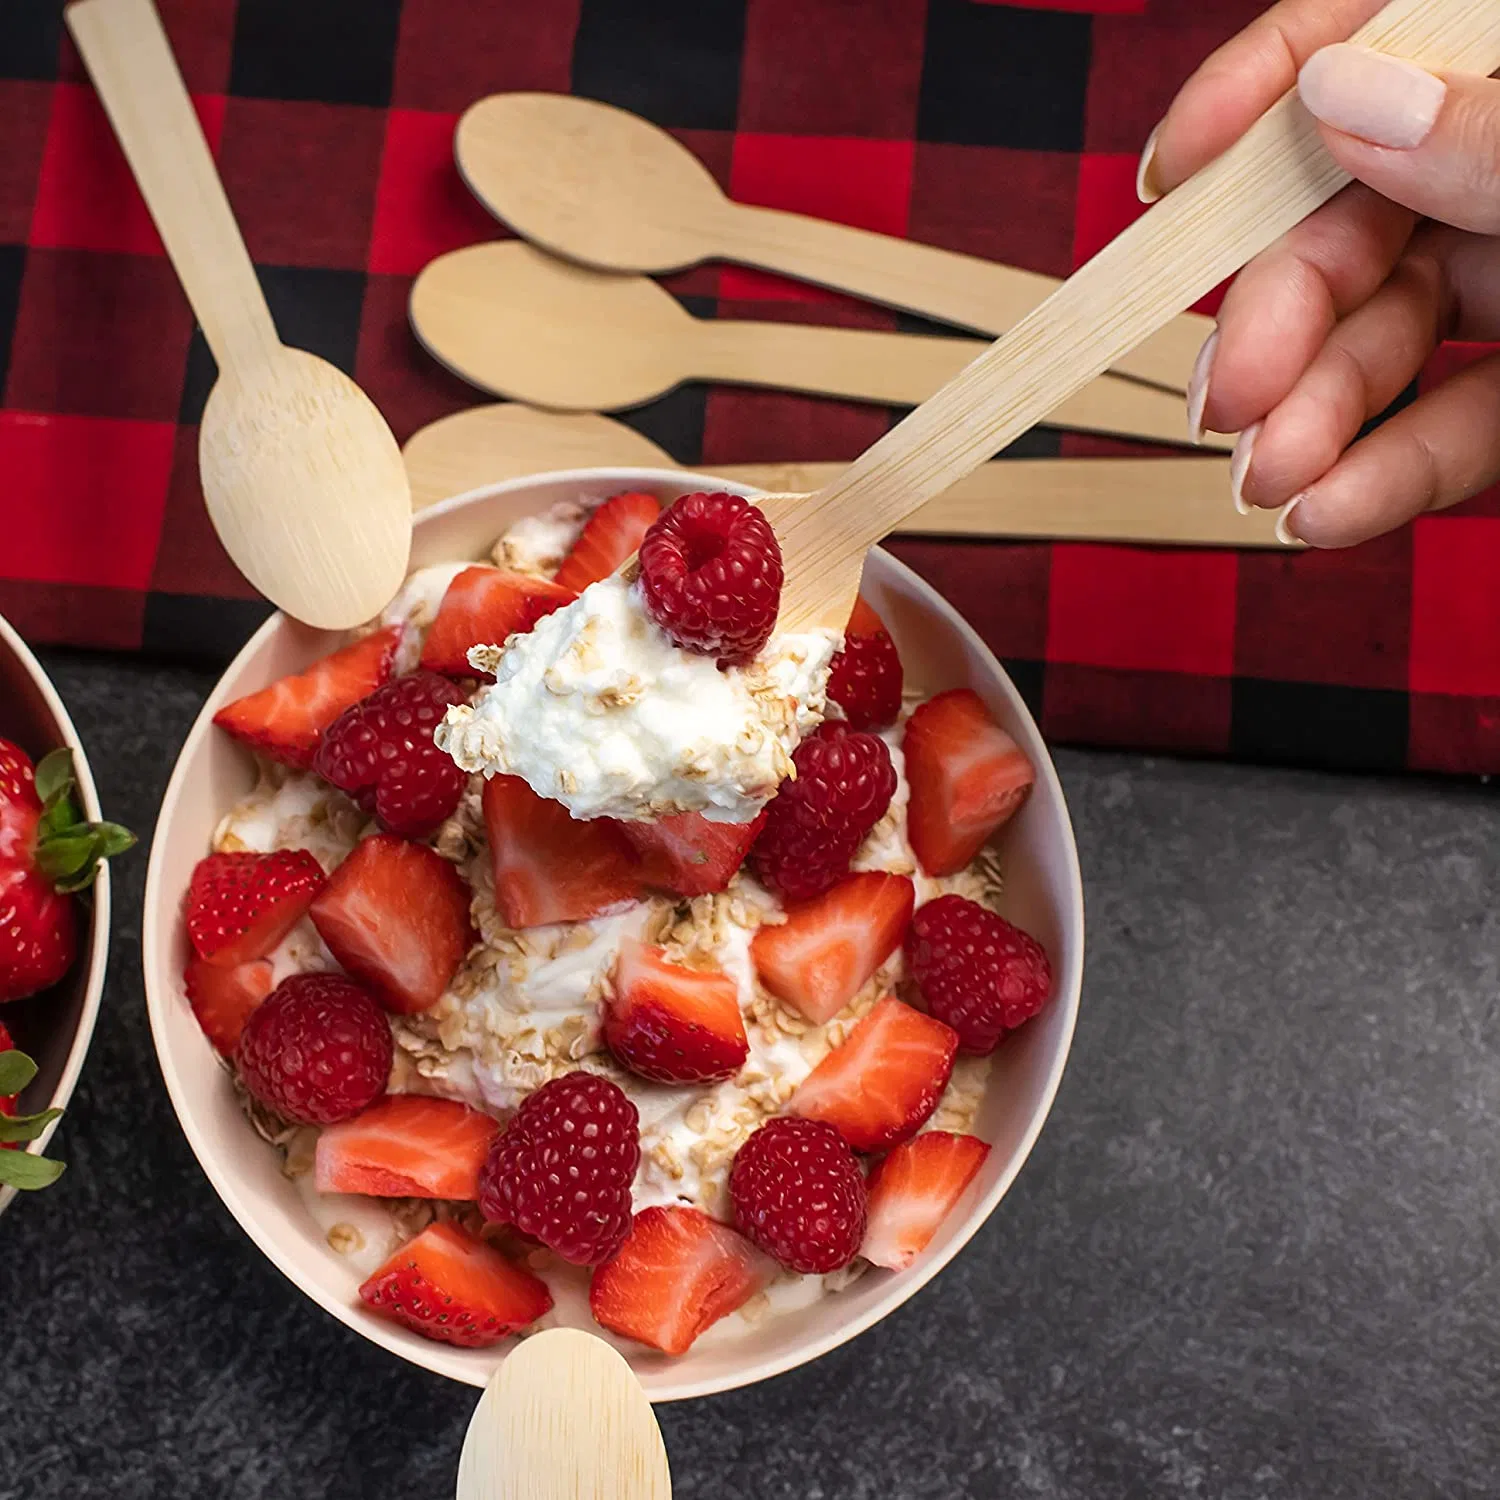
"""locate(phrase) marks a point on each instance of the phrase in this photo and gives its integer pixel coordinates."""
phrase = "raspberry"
(381, 752)
(816, 823)
(975, 971)
(799, 1194)
(711, 576)
(561, 1170)
(316, 1050)
(866, 681)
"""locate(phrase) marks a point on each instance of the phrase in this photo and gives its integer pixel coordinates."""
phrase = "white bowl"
(1043, 894)
(54, 1028)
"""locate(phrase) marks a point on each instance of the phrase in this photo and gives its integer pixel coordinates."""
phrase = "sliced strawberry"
(688, 855)
(239, 906)
(452, 1287)
(679, 1272)
(886, 1079)
(673, 1024)
(548, 866)
(967, 775)
(222, 999)
(482, 607)
(612, 535)
(287, 719)
(406, 1146)
(819, 958)
(396, 915)
(912, 1192)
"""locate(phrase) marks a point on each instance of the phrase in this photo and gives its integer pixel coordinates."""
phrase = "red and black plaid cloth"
(1008, 132)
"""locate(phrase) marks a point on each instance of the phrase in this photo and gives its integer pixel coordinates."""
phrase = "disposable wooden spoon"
(1172, 502)
(1273, 177)
(516, 321)
(606, 188)
(302, 477)
(563, 1418)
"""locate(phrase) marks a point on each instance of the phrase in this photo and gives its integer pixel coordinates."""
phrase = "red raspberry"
(816, 823)
(976, 972)
(866, 681)
(799, 1194)
(381, 752)
(561, 1170)
(711, 576)
(316, 1050)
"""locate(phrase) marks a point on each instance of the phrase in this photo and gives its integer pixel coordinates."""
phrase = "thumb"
(1428, 141)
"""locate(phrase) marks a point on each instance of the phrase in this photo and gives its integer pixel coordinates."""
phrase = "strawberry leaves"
(19, 1169)
(68, 849)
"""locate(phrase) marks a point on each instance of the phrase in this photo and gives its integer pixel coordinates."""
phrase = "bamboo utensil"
(603, 187)
(516, 321)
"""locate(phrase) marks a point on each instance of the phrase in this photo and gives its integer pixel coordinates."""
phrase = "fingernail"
(1197, 391)
(1384, 100)
(1284, 533)
(1145, 184)
(1239, 466)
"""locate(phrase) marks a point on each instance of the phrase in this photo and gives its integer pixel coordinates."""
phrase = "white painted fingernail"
(1384, 100)
(1284, 532)
(1145, 184)
(1239, 466)
(1197, 391)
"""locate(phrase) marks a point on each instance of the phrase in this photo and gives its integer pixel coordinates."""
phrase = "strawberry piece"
(678, 1273)
(481, 607)
(239, 906)
(825, 951)
(396, 915)
(886, 1079)
(614, 533)
(866, 679)
(913, 1190)
(287, 719)
(222, 999)
(449, 1286)
(673, 1024)
(549, 867)
(967, 775)
(406, 1146)
(688, 855)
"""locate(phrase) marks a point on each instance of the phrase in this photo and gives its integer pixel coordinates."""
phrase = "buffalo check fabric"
(1005, 131)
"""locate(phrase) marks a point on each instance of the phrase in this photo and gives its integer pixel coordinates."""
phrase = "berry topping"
(614, 533)
(287, 719)
(865, 679)
(406, 1146)
(381, 752)
(316, 1050)
(222, 999)
(561, 1170)
(673, 1024)
(711, 576)
(913, 1190)
(816, 822)
(688, 855)
(678, 1273)
(482, 607)
(976, 972)
(449, 1286)
(798, 1194)
(239, 906)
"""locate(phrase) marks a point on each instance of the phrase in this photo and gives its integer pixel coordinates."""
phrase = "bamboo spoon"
(516, 321)
(603, 187)
(1272, 178)
(563, 1418)
(302, 477)
(1179, 502)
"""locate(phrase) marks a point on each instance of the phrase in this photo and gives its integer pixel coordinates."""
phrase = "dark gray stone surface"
(1253, 1255)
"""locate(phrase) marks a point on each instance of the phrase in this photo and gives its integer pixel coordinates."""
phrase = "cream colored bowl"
(1043, 894)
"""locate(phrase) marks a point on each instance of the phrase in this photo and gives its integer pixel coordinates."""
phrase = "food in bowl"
(529, 1068)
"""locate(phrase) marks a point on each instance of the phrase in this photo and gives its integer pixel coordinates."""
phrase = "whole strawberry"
(47, 852)
(18, 1168)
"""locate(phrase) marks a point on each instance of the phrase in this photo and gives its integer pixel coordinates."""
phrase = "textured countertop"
(1253, 1254)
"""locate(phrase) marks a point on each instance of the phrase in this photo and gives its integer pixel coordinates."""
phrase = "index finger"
(1237, 84)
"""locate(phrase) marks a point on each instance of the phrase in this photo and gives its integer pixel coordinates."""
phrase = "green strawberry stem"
(20, 1169)
(68, 849)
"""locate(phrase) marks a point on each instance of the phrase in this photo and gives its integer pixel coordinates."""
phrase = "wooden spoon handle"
(959, 289)
(130, 60)
(1271, 179)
